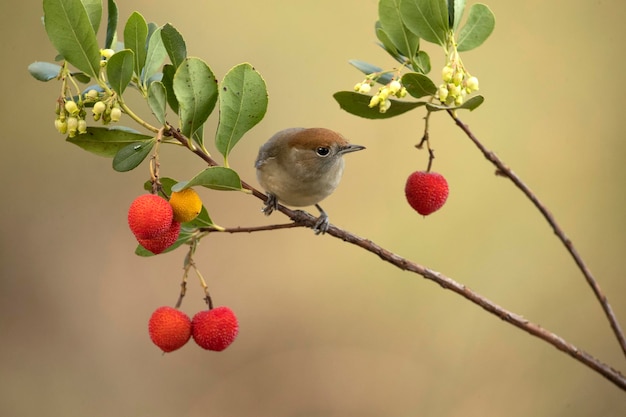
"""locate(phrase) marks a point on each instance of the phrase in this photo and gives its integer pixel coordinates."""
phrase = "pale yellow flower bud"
(365, 88)
(443, 93)
(82, 126)
(447, 73)
(116, 114)
(374, 101)
(71, 108)
(471, 84)
(394, 87)
(107, 53)
(384, 106)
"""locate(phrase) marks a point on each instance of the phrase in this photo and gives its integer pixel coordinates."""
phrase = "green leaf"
(418, 85)
(168, 81)
(423, 62)
(428, 19)
(157, 99)
(243, 103)
(184, 237)
(69, 29)
(195, 88)
(479, 25)
(368, 69)
(107, 142)
(174, 44)
(135, 36)
(111, 23)
(216, 178)
(130, 156)
(386, 42)
(470, 105)
(154, 57)
(120, 70)
(94, 12)
(358, 104)
(391, 22)
(202, 220)
(44, 71)
(455, 10)
(81, 77)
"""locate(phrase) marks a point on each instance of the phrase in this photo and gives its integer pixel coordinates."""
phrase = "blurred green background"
(328, 329)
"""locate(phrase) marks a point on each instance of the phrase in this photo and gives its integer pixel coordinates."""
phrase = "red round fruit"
(215, 329)
(149, 216)
(163, 241)
(426, 192)
(169, 328)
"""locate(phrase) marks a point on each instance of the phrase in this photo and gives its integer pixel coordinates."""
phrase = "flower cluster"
(70, 118)
(71, 114)
(381, 98)
(71, 111)
(457, 83)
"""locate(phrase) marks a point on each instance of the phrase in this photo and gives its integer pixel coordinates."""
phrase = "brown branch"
(241, 229)
(305, 219)
(504, 170)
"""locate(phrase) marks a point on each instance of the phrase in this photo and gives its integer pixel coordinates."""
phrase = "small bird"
(300, 167)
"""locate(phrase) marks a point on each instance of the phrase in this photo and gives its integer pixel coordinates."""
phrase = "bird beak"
(350, 148)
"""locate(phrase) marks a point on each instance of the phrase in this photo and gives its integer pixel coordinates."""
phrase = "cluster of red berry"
(151, 219)
(156, 223)
(426, 192)
(215, 329)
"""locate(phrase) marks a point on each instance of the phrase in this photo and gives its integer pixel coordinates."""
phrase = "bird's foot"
(322, 223)
(271, 204)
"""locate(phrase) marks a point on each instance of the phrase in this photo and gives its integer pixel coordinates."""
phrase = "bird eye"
(322, 151)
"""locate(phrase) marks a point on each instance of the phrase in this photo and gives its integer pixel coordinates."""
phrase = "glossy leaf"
(69, 29)
(168, 81)
(195, 88)
(423, 62)
(120, 70)
(428, 19)
(243, 103)
(418, 85)
(154, 56)
(386, 43)
(358, 105)
(81, 77)
(216, 178)
(94, 12)
(203, 220)
(480, 23)
(135, 36)
(367, 69)
(111, 23)
(130, 156)
(455, 11)
(107, 142)
(405, 41)
(44, 71)
(174, 44)
(157, 99)
(470, 105)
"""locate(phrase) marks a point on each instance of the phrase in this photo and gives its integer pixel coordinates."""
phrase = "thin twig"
(504, 170)
(307, 220)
